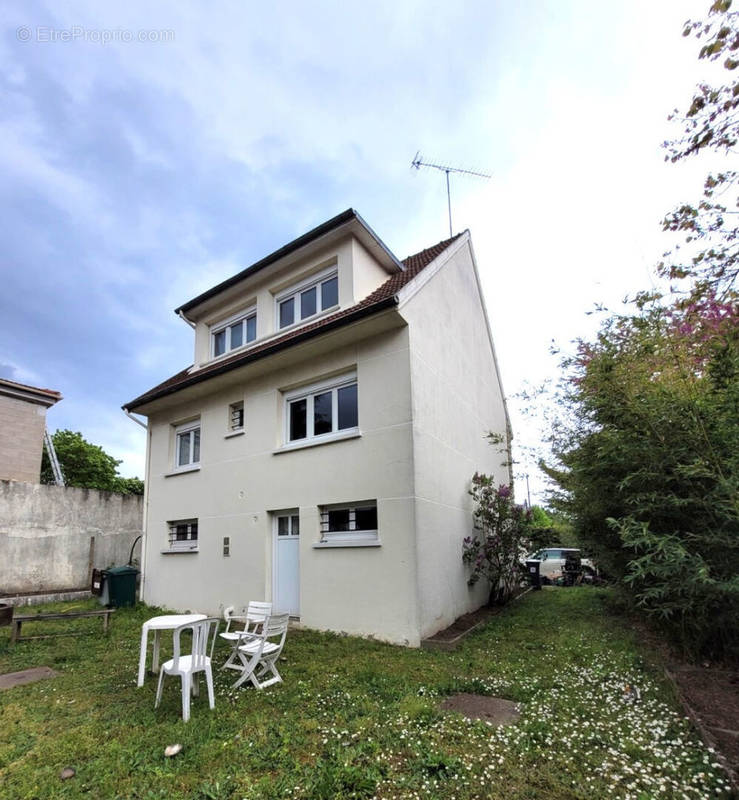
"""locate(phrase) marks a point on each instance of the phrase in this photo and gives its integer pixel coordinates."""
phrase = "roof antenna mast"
(418, 162)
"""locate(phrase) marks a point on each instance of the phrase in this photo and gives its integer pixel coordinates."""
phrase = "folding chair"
(258, 652)
(257, 613)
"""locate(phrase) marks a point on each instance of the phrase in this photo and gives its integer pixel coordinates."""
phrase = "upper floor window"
(308, 299)
(187, 445)
(322, 410)
(233, 333)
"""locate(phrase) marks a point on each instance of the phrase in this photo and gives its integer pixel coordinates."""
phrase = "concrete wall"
(457, 399)
(45, 534)
(21, 439)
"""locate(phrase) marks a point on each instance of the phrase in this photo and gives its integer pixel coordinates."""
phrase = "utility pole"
(418, 162)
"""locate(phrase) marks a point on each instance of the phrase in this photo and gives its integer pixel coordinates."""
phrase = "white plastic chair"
(256, 615)
(258, 652)
(188, 666)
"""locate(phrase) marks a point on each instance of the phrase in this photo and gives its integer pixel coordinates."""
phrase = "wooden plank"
(62, 615)
(15, 634)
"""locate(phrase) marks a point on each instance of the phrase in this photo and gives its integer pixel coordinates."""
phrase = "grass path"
(359, 719)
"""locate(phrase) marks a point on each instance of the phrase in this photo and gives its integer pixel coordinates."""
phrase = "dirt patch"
(494, 710)
(467, 623)
(11, 679)
(713, 695)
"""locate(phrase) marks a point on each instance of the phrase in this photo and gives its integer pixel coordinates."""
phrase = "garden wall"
(52, 536)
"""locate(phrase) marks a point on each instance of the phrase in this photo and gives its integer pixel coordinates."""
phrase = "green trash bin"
(121, 583)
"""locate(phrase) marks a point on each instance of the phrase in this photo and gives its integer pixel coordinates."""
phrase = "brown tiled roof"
(383, 297)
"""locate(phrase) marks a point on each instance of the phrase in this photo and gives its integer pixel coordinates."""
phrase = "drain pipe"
(146, 502)
(130, 555)
(135, 419)
(185, 319)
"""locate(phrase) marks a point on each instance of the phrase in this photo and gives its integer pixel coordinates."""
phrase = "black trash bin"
(532, 567)
(121, 586)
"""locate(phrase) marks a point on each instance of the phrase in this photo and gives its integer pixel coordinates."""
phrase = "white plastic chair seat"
(186, 664)
(254, 647)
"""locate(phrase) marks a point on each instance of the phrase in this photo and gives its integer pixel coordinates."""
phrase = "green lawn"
(359, 719)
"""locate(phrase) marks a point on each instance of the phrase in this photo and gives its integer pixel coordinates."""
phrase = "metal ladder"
(55, 467)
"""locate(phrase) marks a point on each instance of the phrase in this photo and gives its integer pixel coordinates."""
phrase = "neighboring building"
(22, 425)
(319, 452)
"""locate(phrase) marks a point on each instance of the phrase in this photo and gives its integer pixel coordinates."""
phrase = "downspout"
(135, 419)
(144, 521)
(185, 319)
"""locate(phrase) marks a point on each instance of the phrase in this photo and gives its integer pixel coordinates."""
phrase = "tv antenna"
(418, 162)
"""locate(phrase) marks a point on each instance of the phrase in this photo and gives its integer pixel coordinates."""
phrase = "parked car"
(552, 562)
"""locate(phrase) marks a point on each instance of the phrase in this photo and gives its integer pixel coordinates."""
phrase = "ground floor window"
(350, 522)
(183, 534)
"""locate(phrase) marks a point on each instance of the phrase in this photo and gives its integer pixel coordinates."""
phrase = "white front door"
(286, 577)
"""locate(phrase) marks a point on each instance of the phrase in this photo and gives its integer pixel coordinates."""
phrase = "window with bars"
(307, 300)
(353, 522)
(183, 534)
(233, 333)
(187, 445)
(236, 416)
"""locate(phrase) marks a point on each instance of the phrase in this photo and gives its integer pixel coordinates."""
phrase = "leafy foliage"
(87, 465)
(648, 445)
(710, 125)
(549, 528)
(503, 526)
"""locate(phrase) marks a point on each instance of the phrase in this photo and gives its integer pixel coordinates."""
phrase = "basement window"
(183, 535)
(356, 522)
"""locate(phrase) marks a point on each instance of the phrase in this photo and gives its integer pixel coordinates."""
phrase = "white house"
(318, 453)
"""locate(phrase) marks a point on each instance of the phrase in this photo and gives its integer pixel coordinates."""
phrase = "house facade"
(318, 452)
(22, 425)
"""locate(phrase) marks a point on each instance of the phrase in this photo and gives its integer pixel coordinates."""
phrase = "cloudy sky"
(135, 174)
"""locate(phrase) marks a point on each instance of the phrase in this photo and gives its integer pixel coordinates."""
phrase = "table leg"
(142, 655)
(155, 658)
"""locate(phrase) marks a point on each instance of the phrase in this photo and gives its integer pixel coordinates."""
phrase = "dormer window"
(308, 299)
(233, 333)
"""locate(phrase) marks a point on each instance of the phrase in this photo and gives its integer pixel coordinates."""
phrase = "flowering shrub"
(494, 552)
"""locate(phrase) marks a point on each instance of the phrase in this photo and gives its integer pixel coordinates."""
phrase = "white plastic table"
(168, 622)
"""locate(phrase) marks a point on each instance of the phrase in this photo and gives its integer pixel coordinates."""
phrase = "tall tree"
(648, 452)
(87, 465)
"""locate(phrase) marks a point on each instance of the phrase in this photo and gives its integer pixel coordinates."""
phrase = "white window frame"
(188, 545)
(308, 393)
(180, 430)
(295, 291)
(226, 325)
(352, 535)
(234, 429)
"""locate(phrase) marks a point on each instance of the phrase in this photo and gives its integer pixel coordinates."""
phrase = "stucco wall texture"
(46, 534)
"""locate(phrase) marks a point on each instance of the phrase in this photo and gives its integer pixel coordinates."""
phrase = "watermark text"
(77, 33)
